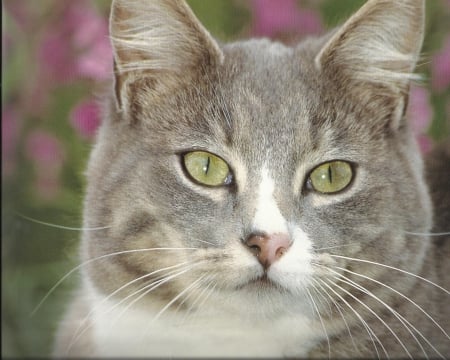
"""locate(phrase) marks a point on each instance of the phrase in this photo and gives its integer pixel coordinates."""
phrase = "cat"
(256, 199)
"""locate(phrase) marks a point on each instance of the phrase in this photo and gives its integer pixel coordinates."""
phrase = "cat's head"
(245, 167)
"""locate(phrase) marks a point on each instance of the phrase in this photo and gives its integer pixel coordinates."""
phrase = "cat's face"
(246, 167)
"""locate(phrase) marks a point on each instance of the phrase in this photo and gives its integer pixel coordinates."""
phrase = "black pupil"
(207, 165)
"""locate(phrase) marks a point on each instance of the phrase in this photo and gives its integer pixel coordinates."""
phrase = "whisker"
(208, 294)
(400, 294)
(87, 262)
(313, 284)
(427, 234)
(375, 314)
(321, 321)
(153, 285)
(196, 299)
(335, 247)
(88, 316)
(156, 317)
(401, 318)
(193, 284)
(62, 226)
(206, 242)
(189, 311)
(338, 307)
(370, 332)
(190, 314)
(393, 268)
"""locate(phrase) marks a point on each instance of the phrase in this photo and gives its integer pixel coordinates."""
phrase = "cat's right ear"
(375, 52)
(158, 40)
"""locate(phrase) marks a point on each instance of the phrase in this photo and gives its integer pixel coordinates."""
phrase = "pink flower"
(96, 62)
(86, 24)
(425, 143)
(85, 118)
(420, 114)
(440, 70)
(77, 45)
(272, 17)
(56, 58)
(44, 149)
(10, 132)
(95, 59)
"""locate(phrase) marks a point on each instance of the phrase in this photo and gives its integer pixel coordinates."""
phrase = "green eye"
(207, 169)
(331, 177)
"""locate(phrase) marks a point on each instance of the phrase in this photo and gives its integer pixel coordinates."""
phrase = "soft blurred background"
(56, 59)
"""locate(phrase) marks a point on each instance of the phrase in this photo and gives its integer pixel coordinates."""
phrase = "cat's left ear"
(376, 50)
(160, 41)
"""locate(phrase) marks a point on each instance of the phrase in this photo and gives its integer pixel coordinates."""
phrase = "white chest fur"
(213, 333)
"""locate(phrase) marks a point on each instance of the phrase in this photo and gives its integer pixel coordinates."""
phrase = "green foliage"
(223, 18)
(334, 12)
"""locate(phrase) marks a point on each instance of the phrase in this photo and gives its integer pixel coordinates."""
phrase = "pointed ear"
(379, 44)
(157, 39)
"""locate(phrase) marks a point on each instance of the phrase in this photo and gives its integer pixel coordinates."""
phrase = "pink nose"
(268, 248)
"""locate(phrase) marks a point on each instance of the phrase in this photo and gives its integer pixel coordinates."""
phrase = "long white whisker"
(400, 294)
(194, 310)
(338, 307)
(87, 262)
(400, 318)
(334, 247)
(150, 287)
(375, 314)
(156, 317)
(427, 234)
(393, 268)
(371, 333)
(210, 291)
(98, 305)
(321, 321)
(154, 284)
(62, 226)
(206, 242)
(313, 284)
(191, 306)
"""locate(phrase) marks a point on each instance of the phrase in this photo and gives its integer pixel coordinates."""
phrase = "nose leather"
(268, 248)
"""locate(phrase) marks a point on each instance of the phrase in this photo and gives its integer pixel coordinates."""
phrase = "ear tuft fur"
(379, 44)
(158, 38)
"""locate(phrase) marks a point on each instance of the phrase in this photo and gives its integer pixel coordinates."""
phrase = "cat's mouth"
(262, 282)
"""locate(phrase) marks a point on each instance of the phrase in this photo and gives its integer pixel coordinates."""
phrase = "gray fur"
(256, 103)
